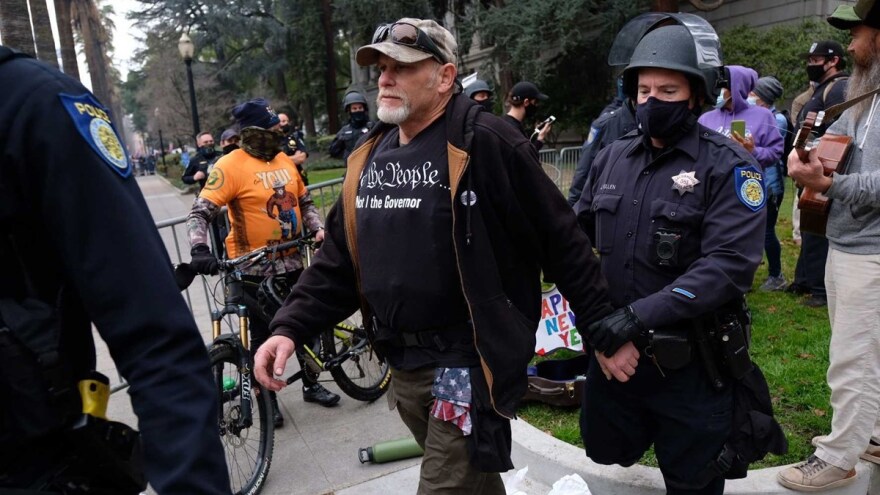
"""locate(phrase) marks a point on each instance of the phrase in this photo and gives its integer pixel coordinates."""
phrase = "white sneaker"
(815, 475)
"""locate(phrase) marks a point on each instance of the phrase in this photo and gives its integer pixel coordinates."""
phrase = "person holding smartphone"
(524, 99)
(753, 127)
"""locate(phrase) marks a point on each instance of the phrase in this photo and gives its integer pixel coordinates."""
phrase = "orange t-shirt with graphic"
(262, 198)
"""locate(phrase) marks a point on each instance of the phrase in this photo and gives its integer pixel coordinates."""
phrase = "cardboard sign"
(556, 328)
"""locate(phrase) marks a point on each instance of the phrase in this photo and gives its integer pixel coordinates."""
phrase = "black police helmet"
(477, 86)
(667, 47)
(353, 97)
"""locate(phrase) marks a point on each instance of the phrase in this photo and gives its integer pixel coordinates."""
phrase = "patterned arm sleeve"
(310, 215)
(202, 214)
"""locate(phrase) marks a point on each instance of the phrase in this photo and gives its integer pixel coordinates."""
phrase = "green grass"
(789, 343)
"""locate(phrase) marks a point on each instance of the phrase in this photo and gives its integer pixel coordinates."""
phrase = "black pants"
(810, 270)
(685, 419)
(259, 325)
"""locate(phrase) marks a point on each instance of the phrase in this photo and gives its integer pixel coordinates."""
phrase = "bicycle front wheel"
(246, 431)
(361, 375)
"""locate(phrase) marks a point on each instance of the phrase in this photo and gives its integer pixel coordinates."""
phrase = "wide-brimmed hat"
(865, 12)
(410, 40)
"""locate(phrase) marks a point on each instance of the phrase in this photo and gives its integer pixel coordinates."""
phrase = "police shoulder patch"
(750, 187)
(93, 122)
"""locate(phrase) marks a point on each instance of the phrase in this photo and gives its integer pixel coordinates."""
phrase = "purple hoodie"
(760, 122)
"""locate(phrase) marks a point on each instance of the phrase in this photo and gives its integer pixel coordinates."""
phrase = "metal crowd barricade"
(560, 165)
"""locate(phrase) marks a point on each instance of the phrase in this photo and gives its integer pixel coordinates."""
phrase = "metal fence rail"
(560, 165)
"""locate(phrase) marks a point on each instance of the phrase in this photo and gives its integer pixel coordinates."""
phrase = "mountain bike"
(343, 350)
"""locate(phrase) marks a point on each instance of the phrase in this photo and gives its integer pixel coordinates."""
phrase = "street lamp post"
(161, 143)
(187, 49)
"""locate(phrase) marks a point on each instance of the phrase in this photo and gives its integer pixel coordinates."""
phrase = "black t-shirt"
(409, 273)
(823, 98)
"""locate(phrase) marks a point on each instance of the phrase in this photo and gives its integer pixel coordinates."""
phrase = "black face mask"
(531, 111)
(359, 119)
(208, 152)
(663, 119)
(815, 72)
(285, 129)
(229, 148)
(489, 104)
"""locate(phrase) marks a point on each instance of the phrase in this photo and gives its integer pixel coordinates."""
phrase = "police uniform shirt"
(679, 234)
(349, 136)
(68, 196)
(409, 272)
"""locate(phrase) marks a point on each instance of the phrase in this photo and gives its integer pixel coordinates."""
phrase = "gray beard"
(863, 80)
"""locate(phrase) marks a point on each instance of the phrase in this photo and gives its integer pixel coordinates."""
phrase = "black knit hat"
(255, 113)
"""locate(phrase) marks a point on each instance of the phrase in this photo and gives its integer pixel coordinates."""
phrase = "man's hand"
(747, 142)
(622, 364)
(319, 236)
(271, 360)
(199, 175)
(203, 261)
(542, 134)
(610, 333)
(299, 157)
(809, 174)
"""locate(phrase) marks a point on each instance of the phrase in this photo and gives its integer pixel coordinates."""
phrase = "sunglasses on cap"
(404, 33)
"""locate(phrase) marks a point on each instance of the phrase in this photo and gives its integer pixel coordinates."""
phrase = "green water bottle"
(228, 383)
(392, 450)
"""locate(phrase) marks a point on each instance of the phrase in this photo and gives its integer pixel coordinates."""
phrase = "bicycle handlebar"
(184, 275)
(257, 254)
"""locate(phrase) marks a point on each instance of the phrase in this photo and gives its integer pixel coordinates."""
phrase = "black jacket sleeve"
(190, 171)
(105, 245)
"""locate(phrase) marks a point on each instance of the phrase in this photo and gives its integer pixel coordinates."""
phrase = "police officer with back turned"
(677, 212)
(79, 247)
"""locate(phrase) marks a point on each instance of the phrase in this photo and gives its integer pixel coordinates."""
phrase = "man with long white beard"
(852, 274)
(445, 223)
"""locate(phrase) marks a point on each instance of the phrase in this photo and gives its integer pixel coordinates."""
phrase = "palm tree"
(43, 33)
(87, 20)
(65, 38)
(15, 26)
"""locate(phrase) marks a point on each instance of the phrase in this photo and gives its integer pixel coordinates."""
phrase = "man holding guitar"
(852, 274)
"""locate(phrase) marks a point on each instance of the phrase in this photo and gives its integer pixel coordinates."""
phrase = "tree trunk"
(664, 5)
(330, 70)
(88, 21)
(65, 39)
(43, 33)
(15, 26)
(309, 117)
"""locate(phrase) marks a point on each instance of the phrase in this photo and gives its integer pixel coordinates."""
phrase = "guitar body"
(833, 152)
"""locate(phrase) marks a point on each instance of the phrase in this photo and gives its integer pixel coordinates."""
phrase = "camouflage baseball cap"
(410, 40)
(865, 12)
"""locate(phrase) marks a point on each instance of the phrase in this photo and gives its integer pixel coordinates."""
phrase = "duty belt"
(433, 338)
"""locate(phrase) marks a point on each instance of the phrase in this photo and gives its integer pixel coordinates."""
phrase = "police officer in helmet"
(480, 92)
(677, 213)
(355, 105)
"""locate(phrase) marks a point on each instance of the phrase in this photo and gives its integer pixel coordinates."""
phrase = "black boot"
(277, 417)
(317, 393)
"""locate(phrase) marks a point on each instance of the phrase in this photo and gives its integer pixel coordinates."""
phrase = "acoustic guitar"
(833, 152)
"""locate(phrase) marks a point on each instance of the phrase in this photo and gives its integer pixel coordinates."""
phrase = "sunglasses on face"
(404, 33)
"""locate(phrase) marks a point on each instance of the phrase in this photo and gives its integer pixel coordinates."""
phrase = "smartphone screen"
(739, 127)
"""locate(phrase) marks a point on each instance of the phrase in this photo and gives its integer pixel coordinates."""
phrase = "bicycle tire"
(248, 451)
(363, 376)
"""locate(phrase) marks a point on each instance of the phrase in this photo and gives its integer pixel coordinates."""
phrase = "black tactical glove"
(203, 261)
(610, 333)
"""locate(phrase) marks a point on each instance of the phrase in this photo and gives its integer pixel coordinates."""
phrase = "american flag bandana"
(452, 394)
